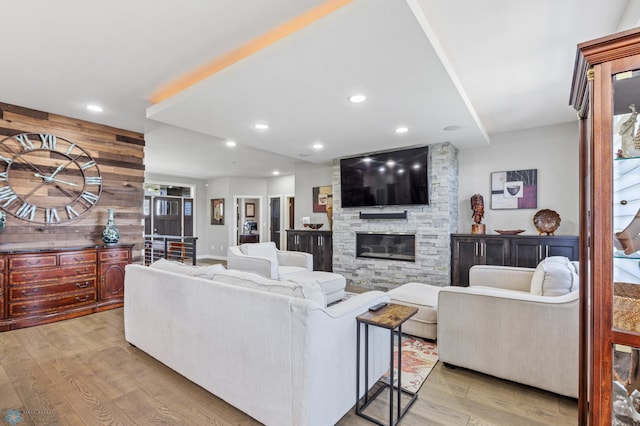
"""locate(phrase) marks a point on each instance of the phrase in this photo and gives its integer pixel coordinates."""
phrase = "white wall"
(553, 150)
(309, 176)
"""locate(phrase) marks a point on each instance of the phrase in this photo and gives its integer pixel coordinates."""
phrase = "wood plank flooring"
(82, 372)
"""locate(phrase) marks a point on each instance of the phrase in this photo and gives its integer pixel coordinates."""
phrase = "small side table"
(390, 317)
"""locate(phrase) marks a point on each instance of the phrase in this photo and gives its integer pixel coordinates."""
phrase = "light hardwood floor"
(82, 371)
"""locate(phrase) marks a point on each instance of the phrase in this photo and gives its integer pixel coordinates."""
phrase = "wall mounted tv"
(394, 178)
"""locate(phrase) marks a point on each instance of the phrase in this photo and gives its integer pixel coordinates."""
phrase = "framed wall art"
(515, 189)
(250, 210)
(321, 198)
(217, 211)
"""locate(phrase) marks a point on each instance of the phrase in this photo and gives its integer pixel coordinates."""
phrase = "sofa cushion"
(554, 276)
(268, 250)
(192, 270)
(285, 271)
(308, 290)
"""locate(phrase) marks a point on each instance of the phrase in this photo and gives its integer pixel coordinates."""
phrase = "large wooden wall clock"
(46, 178)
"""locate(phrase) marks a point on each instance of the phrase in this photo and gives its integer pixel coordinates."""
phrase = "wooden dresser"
(44, 286)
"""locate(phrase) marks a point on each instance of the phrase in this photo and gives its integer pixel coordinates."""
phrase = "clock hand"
(49, 179)
(58, 170)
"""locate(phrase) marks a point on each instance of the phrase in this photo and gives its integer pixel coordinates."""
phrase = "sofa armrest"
(505, 277)
(295, 258)
(260, 265)
(357, 304)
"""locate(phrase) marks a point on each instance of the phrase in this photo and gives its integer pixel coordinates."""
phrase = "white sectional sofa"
(282, 359)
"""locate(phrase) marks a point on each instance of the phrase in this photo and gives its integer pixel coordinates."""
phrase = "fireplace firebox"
(388, 246)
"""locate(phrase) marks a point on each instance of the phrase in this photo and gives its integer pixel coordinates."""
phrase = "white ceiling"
(487, 66)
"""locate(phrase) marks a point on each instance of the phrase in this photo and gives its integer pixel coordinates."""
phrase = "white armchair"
(497, 326)
(265, 259)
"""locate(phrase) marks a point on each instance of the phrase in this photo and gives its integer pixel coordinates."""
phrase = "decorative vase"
(111, 235)
(3, 221)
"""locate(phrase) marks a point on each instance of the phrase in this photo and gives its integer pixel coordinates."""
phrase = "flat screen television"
(393, 178)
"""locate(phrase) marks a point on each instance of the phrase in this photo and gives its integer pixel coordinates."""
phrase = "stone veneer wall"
(432, 224)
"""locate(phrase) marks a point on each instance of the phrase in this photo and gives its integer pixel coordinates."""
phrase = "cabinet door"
(526, 253)
(111, 281)
(298, 241)
(463, 257)
(495, 252)
(559, 246)
(322, 251)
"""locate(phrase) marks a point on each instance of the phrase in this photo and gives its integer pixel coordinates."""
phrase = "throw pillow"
(267, 250)
(311, 291)
(192, 270)
(554, 276)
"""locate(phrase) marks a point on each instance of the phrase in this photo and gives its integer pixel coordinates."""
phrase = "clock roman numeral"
(24, 141)
(90, 197)
(7, 195)
(90, 180)
(3, 176)
(48, 141)
(88, 164)
(6, 160)
(71, 212)
(26, 211)
(73, 145)
(51, 216)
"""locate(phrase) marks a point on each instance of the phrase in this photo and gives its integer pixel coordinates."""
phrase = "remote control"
(377, 307)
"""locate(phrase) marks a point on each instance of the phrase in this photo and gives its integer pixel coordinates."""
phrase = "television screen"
(385, 179)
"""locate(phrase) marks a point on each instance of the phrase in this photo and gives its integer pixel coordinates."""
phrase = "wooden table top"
(391, 316)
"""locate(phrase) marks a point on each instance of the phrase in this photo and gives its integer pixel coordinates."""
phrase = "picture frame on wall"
(217, 211)
(250, 210)
(514, 189)
(322, 196)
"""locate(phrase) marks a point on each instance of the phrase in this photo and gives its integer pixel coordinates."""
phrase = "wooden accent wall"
(120, 157)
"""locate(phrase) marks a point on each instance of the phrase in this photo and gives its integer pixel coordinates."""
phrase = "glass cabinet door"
(626, 247)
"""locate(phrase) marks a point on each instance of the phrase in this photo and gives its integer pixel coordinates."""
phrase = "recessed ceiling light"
(261, 126)
(231, 143)
(402, 129)
(318, 145)
(94, 108)
(275, 172)
(356, 99)
(452, 128)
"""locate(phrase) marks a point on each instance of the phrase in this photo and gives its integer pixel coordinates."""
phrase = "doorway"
(248, 219)
(274, 215)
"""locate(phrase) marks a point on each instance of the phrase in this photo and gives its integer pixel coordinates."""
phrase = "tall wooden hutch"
(606, 92)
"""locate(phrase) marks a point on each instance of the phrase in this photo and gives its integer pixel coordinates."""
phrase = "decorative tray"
(510, 232)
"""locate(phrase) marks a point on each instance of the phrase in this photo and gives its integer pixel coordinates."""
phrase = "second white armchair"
(267, 260)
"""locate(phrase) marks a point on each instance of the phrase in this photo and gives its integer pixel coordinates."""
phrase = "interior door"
(167, 216)
(274, 209)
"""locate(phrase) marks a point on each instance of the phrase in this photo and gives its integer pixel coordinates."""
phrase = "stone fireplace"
(430, 226)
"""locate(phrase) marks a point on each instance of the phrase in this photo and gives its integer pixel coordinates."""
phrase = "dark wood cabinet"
(318, 243)
(606, 94)
(505, 250)
(46, 286)
(112, 261)
(248, 238)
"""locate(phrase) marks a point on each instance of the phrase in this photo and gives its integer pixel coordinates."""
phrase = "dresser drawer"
(3, 262)
(37, 275)
(51, 304)
(78, 257)
(32, 261)
(114, 255)
(46, 290)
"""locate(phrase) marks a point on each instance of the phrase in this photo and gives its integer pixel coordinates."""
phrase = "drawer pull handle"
(32, 277)
(78, 259)
(35, 290)
(112, 255)
(33, 262)
(28, 308)
(82, 299)
(82, 285)
(80, 271)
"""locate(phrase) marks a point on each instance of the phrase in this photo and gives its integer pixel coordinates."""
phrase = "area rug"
(419, 356)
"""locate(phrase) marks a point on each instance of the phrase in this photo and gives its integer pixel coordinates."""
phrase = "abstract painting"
(515, 189)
